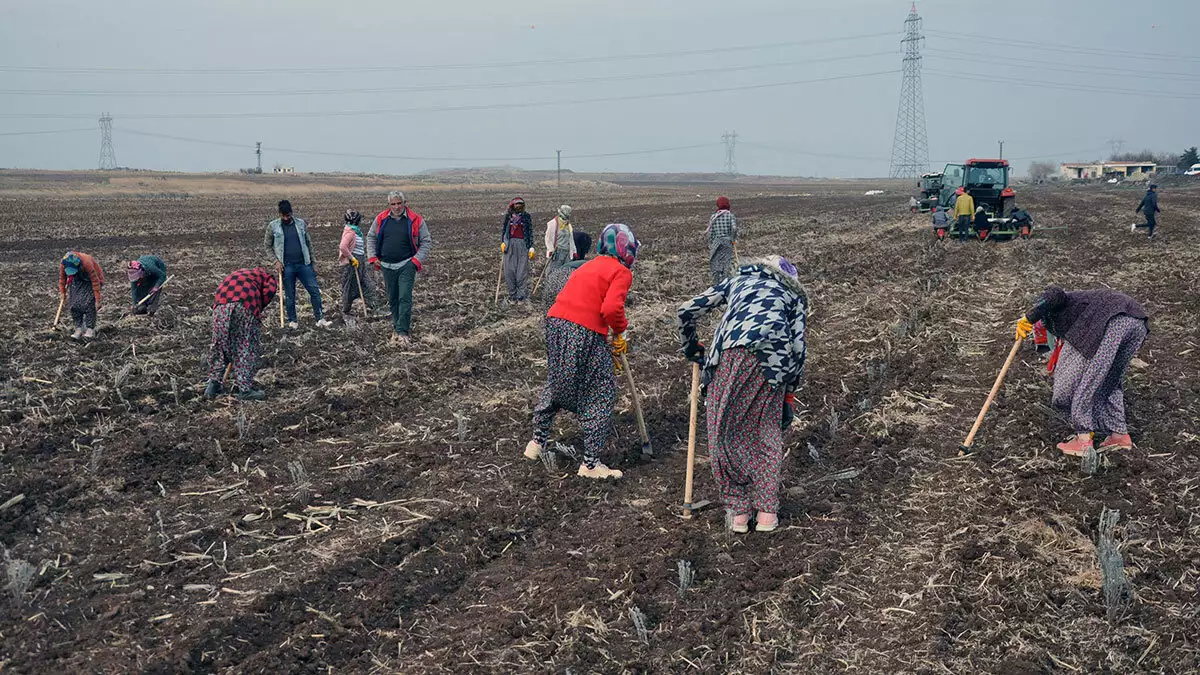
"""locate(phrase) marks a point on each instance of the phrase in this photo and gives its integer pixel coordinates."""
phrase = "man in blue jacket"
(1148, 207)
(397, 244)
(287, 240)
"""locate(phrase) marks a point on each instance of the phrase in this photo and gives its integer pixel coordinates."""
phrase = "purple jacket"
(1081, 317)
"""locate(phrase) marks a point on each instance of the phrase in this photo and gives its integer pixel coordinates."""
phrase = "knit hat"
(618, 241)
(353, 217)
(285, 207)
(134, 270)
(71, 264)
(564, 212)
(723, 203)
(960, 191)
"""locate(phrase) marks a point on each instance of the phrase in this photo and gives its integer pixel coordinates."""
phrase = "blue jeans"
(308, 277)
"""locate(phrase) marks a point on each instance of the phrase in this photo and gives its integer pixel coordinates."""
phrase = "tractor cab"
(931, 188)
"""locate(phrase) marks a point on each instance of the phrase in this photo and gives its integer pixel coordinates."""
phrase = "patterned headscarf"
(353, 218)
(514, 202)
(783, 265)
(71, 264)
(134, 270)
(618, 241)
(564, 212)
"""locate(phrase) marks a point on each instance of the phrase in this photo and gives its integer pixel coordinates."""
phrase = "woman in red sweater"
(579, 363)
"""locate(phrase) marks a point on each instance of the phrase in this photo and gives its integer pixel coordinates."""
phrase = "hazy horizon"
(810, 88)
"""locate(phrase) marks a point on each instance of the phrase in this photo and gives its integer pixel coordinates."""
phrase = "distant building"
(285, 169)
(1098, 170)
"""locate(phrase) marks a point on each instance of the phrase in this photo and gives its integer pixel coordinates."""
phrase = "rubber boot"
(533, 450)
(212, 389)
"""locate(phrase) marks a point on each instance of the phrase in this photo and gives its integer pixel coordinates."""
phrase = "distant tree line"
(1183, 160)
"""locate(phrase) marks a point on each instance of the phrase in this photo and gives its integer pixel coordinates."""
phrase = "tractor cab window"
(978, 175)
(953, 177)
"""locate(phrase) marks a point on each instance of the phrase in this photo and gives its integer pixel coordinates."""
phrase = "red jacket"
(594, 296)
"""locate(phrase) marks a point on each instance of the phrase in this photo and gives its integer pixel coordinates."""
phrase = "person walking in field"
(1149, 208)
(146, 276)
(560, 241)
(237, 328)
(80, 281)
(585, 331)
(964, 209)
(397, 244)
(749, 378)
(722, 235)
(287, 239)
(557, 277)
(516, 247)
(352, 254)
(1098, 333)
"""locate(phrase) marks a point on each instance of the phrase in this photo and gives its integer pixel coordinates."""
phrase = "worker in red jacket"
(585, 330)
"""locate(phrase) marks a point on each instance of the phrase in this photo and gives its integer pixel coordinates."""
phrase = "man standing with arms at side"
(397, 244)
(287, 239)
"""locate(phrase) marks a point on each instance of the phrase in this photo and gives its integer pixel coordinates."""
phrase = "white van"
(1194, 171)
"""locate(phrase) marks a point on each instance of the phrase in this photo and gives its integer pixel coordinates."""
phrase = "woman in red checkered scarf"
(236, 328)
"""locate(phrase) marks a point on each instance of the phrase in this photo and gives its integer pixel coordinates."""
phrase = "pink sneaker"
(1076, 445)
(1117, 442)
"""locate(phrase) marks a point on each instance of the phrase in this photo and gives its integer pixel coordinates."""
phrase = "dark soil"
(352, 523)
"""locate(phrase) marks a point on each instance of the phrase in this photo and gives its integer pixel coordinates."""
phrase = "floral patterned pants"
(745, 434)
(235, 338)
(82, 302)
(1090, 389)
(579, 379)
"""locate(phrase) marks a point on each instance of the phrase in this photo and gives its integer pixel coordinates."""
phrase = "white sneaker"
(324, 323)
(77, 334)
(599, 472)
(89, 334)
(533, 450)
(1133, 227)
(293, 325)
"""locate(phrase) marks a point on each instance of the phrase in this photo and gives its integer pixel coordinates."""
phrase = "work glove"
(532, 253)
(503, 247)
(374, 262)
(789, 415)
(694, 351)
(354, 262)
(1024, 328)
(620, 345)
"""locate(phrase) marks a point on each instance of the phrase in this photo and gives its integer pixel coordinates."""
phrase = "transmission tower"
(910, 148)
(730, 141)
(258, 152)
(108, 159)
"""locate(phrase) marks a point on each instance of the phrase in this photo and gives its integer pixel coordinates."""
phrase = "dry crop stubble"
(424, 547)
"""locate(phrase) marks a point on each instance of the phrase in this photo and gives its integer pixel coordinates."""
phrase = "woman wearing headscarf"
(352, 253)
(236, 329)
(585, 330)
(722, 235)
(557, 277)
(749, 375)
(146, 276)
(1098, 332)
(516, 245)
(80, 281)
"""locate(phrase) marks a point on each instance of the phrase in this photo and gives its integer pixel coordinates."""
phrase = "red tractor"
(986, 180)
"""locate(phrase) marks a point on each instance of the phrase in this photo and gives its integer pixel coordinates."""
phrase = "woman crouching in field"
(236, 327)
(1099, 333)
(80, 281)
(755, 364)
(579, 360)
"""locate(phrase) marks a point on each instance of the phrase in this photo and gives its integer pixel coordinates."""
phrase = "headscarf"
(353, 218)
(71, 264)
(134, 270)
(514, 202)
(564, 212)
(617, 240)
(722, 203)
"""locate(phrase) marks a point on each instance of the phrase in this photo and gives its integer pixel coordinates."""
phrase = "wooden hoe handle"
(1012, 355)
(691, 456)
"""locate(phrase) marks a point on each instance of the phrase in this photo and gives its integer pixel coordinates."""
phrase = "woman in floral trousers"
(749, 376)
(236, 329)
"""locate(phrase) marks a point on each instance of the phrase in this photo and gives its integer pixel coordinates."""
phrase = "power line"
(1062, 85)
(829, 155)
(456, 108)
(1069, 49)
(455, 66)
(1067, 68)
(438, 87)
(298, 151)
(48, 131)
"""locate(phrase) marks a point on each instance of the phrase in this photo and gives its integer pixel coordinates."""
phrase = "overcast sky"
(588, 78)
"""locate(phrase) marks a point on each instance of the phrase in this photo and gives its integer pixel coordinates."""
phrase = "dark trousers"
(308, 277)
(1151, 222)
(963, 227)
(399, 286)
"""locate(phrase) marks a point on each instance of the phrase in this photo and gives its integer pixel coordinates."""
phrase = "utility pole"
(910, 146)
(108, 158)
(1001, 149)
(258, 151)
(559, 152)
(730, 141)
